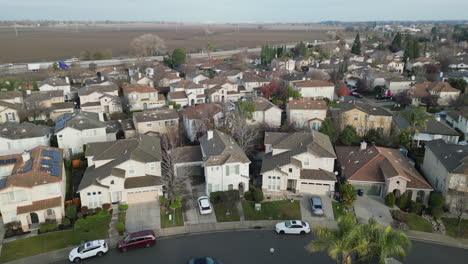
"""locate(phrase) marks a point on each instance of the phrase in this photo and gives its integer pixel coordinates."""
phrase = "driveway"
(367, 207)
(306, 209)
(143, 216)
(195, 187)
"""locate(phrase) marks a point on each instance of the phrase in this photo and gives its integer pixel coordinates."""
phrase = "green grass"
(177, 218)
(275, 210)
(414, 222)
(338, 209)
(220, 211)
(455, 230)
(30, 246)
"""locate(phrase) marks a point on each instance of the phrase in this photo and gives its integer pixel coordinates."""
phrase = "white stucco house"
(80, 128)
(127, 171)
(201, 118)
(298, 163)
(32, 187)
(306, 112)
(459, 119)
(159, 121)
(16, 138)
(100, 98)
(250, 81)
(57, 84)
(225, 164)
(265, 112)
(317, 89)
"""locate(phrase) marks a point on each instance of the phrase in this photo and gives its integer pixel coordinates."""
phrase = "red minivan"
(137, 240)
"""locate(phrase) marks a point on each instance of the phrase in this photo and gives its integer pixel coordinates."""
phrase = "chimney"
(151, 83)
(25, 155)
(363, 145)
(67, 80)
(209, 134)
(413, 77)
(101, 117)
(139, 75)
(437, 117)
(28, 91)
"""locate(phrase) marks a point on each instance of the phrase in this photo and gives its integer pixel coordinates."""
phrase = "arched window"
(420, 196)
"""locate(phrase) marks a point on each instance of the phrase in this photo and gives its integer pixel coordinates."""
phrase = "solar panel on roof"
(29, 165)
(47, 162)
(55, 171)
(2, 162)
(46, 168)
(3, 182)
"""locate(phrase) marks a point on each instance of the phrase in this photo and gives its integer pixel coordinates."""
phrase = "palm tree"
(417, 118)
(342, 243)
(385, 243)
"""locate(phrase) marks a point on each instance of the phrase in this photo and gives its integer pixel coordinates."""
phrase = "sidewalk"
(438, 239)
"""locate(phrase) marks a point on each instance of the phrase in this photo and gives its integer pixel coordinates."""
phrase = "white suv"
(204, 205)
(89, 249)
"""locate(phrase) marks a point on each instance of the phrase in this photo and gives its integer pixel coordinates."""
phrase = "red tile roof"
(40, 205)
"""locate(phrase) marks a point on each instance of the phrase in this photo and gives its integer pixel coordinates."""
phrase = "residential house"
(58, 109)
(32, 187)
(186, 93)
(100, 99)
(112, 74)
(196, 77)
(378, 171)
(225, 164)
(80, 128)
(167, 78)
(220, 89)
(265, 113)
(141, 97)
(201, 118)
(57, 84)
(16, 138)
(250, 81)
(395, 66)
(364, 117)
(460, 63)
(398, 85)
(126, 171)
(316, 89)
(232, 75)
(306, 112)
(10, 112)
(294, 77)
(44, 105)
(459, 119)
(441, 93)
(165, 120)
(419, 62)
(446, 168)
(12, 97)
(283, 63)
(298, 163)
(433, 129)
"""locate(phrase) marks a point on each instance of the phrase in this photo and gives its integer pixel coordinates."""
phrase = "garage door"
(142, 196)
(315, 188)
(369, 189)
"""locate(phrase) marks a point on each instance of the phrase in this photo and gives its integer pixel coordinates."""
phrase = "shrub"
(97, 210)
(248, 196)
(215, 197)
(436, 200)
(70, 211)
(348, 194)
(79, 215)
(123, 207)
(80, 225)
(106, 206)
(402, 201)
(66, 222)
(437, 212)
(163, 201)
(390, 200)
(48, 226)
(257, 195)
(84, 210)
(415, 207)
(13, 225)
(120, 227)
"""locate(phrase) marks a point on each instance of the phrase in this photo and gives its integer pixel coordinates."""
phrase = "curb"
(442, 243)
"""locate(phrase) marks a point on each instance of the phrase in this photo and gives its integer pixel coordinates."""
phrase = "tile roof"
(186, 84)
(453, 157)
(11, 106)
(176, 95)
(306, 103)
(432, 126)
(221, 149)
(375, 164)
(98, 88)
(314, 83)
(202, 111)
(54, 81)
(142, 181)
(250, 77)
(23, 130)
(424, 89)
(188, 154)
(263, 104)
(216, 81)
(321, 175)
(80, 121)
(364, 107)
(155, 115)
(8, 95)
(40, 205)
(138, 88)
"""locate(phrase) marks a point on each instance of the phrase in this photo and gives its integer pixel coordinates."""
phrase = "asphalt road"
(253, 247)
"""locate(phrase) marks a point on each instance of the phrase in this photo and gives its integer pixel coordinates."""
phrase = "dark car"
(383, 97)
(204, 261)
(137, 240)
(358, 95)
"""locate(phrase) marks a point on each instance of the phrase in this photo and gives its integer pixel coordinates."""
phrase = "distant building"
(17, 138)
(316, 89)
(306, 112)
(158, 121)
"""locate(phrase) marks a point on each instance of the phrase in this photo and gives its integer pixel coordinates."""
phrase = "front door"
(116, 197)
(292, 185)
(34, 218)
(145, 106)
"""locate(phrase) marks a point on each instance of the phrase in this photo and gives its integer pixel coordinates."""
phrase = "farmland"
(46, 43)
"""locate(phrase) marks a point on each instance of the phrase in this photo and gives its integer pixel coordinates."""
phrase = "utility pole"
(16, 30)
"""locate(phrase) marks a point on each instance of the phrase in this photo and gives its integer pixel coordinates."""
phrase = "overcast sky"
(234, 10)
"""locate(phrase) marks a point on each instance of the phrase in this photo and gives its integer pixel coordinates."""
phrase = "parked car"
(205, 260)
(204, 205)
(317, 206)
(137, 240)
(383, 97)
(71, 60)
(87, 250)
(356, 94)
(292, 227)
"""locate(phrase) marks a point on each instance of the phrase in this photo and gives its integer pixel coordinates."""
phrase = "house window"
(50, 212)
(273, 183)
(372, 118)
(227, 170)
(237, 169)
(210, 187)
(230, 187)
(13, 219)
(99, 193)
(356, 117)
(131, 169)
(306, 162)
(153, 166)
(148, 124)
(112, 182)
(12, 196)
(89, 194)
(290, 170)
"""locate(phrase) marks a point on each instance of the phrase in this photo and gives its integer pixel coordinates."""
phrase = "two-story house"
(225, 164)
(57, 84)
(141, 97)
(159, 121)
(446, 168)
(10, 112)
(306, 112)
(186, 93)
(250, 81)
(317, 89)
(266, 113)
(298, 163)
(100, 98)
(364, 117)
(16, 138)
(32, 187)
(442, 92)
(80, 128)
(459, 119)
(127, 171)
(201, 118)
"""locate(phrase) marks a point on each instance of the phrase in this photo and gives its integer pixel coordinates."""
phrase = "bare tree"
(243, 134)
(147, 45)
(461, 206)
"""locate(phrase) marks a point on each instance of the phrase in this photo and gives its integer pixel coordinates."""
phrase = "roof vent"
(23, 130)
(460, 150)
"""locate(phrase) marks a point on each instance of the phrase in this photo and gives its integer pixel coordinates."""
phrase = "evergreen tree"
(178, 57)
(396, 43)
(356, 49)
(300, 50)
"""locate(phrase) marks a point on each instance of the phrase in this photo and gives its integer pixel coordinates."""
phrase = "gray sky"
(234, 10)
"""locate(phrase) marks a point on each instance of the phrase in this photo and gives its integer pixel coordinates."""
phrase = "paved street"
(252, 247)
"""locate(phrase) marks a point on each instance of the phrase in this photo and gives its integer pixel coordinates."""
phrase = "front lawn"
(455, 230)
(338, 209)
(220, 211)
(414, 222)
(275, 210)
(48, 242)
(177, 219)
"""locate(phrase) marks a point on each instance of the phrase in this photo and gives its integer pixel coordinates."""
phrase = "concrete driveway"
(306, 209)
(367, 207)
(143, 216)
